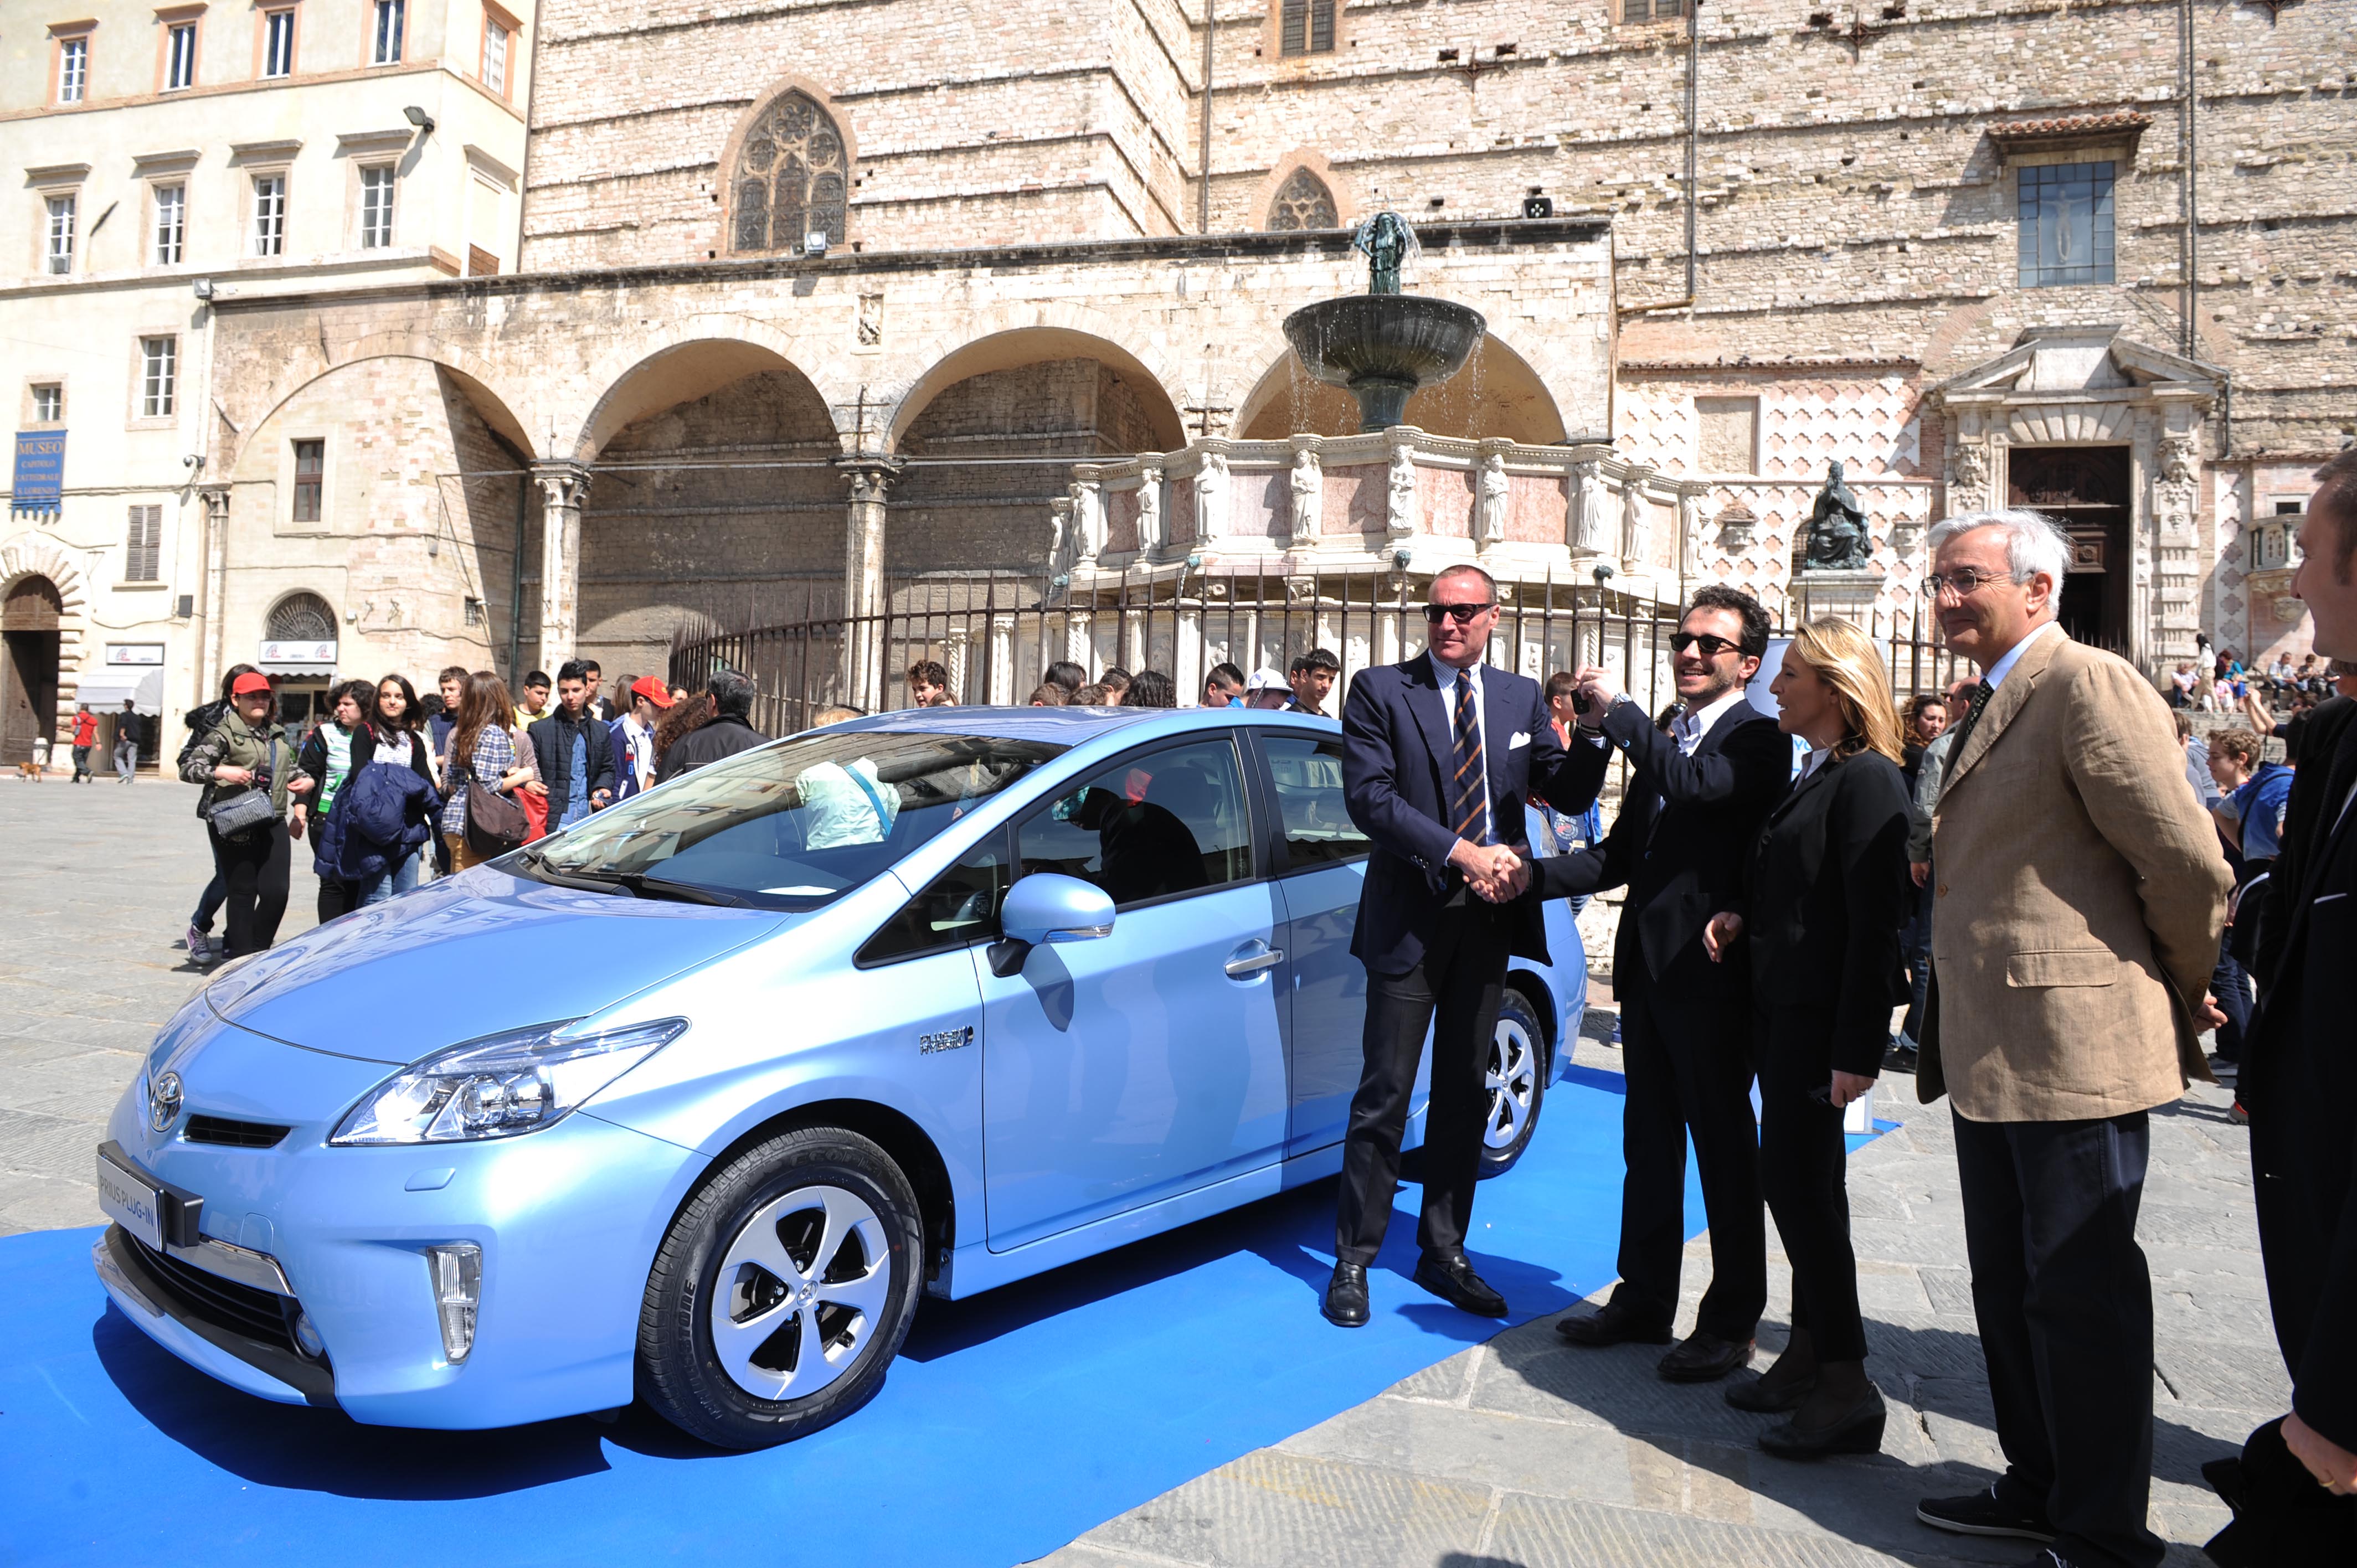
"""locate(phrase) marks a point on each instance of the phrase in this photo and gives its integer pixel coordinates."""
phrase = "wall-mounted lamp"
(204, 287)
(419, 118)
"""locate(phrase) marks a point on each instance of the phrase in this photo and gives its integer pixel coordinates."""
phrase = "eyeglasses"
(1461, 613)
(1712, 646)
(1967, 582)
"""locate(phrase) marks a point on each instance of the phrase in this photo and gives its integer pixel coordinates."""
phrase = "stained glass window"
(1302, 202)
(791, 179)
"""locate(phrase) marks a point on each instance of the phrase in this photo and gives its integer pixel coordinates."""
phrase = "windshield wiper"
(645, 885)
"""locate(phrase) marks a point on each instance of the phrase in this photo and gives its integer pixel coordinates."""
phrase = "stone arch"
(1056, 333)
(792, 152)
(1296, 182)
(299, 615)
(29, 556)
(484, 383)
(1498, 394)
(693, 359)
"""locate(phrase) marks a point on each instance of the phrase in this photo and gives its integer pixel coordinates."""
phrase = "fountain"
(1382, 344)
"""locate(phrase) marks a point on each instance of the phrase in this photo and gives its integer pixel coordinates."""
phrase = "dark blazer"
(1679, 845)
(723, 736)
(1826, 894)
(551, 747)
(1396, 751)
(2310, 785)
(2299, 1084)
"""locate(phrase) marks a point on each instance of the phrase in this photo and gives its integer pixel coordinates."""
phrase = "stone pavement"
(1517, 1452)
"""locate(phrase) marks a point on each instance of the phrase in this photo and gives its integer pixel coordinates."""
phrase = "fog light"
(307, 1336)
(458, 1274)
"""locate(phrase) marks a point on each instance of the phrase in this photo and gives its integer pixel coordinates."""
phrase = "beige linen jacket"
(2078, 894)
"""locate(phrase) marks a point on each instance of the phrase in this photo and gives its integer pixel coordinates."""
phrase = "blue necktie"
(1469, 807)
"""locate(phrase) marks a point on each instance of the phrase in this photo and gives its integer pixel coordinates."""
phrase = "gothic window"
(1305, 27)
(301, 617)
(791, 178)
(1302, 202)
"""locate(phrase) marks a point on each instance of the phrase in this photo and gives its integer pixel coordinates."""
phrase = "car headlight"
(502, 1085)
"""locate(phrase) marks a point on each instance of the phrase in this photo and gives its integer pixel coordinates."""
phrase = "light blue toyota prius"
(692, 1102)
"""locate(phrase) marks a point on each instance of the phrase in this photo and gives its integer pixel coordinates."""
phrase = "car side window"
(960, 906)
(1308, 773)
(1171, 821)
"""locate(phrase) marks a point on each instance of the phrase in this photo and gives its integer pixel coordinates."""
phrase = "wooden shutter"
(143, 549)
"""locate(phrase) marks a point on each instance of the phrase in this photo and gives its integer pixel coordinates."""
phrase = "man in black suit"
(1438, 753)
(2300, 1069)
(1694, 804)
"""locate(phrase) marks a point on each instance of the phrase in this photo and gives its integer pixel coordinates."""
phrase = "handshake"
(1494, 871)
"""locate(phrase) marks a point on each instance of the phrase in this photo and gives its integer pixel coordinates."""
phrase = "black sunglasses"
(1712, 646)
(1462, 614)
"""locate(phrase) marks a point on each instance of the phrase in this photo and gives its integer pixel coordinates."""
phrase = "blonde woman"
(1826, 893)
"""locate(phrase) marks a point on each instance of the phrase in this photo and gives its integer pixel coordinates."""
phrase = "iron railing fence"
(995, 633)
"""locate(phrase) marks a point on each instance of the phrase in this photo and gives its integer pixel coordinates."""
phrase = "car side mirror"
(1047, 908)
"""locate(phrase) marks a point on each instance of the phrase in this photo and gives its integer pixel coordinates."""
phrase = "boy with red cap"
(634, 737)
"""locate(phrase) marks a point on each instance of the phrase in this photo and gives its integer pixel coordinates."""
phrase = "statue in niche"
(1149, 509)
(1386, 242)
(1061, 553)
(1836, 537)
(1307, 482)
(1490, 503)
(1212, 497)
(1088, 521)
(1587, 507)
(1636, 530)
(1399, 502)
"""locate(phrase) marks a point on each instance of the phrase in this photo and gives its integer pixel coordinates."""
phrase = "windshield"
(790, 826)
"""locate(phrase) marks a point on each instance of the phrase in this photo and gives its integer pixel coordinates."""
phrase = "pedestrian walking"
(928, 685)
(1930, 768)
(1438, 755)
(1151, 688)
(127, 742)
(248, 769)
(1312, 676)
(85, 735)
(483, 755)
(1063, 672)
(1823, 899)
(396, 739)
(727, 732)
(327, 757)
(1223, 686)
(574, 752)
(1686, 827)
(1116, 682)
(201, 721)
(684, 716)
(451, 686)
(2249, 817)
(2079, 895)
(633, 736)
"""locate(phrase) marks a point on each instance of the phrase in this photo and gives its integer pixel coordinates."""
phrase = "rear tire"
(1517, 1077)
(782, 1292)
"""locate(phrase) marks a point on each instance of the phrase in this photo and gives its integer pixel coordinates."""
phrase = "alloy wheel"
(1512, 1079)
(800, 1292)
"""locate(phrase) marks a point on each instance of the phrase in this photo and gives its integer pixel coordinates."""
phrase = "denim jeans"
(385, 885)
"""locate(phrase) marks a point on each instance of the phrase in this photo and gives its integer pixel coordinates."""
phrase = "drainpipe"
(1694, 129)
(2188, 202)
(1203, 151)
(515, 592)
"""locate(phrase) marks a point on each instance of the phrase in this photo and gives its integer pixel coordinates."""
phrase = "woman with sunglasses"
(1825, 893)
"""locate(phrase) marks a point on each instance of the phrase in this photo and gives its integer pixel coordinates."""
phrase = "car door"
(1148, 1062)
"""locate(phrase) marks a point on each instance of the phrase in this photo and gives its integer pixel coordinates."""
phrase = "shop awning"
(104, 691)
(278, 670)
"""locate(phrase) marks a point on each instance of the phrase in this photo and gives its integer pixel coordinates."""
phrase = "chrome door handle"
(1240, 967)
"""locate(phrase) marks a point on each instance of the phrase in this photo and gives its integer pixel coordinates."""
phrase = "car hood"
(469, 956)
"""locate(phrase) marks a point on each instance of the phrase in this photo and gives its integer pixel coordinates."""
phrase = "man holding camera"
(1697, 797)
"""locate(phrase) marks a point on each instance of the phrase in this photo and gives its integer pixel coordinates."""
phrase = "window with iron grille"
(2066, 224)
(1305, 26)
(791, 178)
(180, 57)
(269, 214)
(171, 224)
(58, 243)
(1302, 202)
(143, 548)
(310, 470)
(392, 17)
(73, 69)
(278, 43)
(300, 617)
(376, 206)
(159, 374)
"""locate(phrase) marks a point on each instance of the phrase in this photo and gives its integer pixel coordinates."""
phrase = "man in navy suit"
(1696, 799)
(1438, 755)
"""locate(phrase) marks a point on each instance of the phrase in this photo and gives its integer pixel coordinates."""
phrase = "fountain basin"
(1383, 347)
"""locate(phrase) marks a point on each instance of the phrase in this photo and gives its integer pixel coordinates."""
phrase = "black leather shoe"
(1763, 1398)
(1982, 1513)
(1613, 1324)
(1452, 1279)
(1346, 1296)
(1705, 1358)
(1857, 1432)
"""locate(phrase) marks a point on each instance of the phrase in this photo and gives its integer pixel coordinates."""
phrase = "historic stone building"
(819, 299)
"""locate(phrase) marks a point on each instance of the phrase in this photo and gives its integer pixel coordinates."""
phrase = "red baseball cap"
(253, 681)
(652, 690)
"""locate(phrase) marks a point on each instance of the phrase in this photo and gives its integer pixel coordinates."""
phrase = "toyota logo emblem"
(164, 1101)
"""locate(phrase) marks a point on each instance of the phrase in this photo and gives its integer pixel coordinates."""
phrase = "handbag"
(495, 823)
(535, 816)
(232, 815)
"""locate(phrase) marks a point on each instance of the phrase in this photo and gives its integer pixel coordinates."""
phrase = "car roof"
(1068, 726)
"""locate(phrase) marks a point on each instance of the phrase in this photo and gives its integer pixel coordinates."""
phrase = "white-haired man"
(2077, 894)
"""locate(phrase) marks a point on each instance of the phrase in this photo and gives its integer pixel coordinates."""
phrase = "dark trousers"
(337, 896)
(253, 880)
(1915, 951)
(1803, 1162)
(1681, 1078)
(1454, 993)
(208, 902)
(2230, 983)
(2065, 1304)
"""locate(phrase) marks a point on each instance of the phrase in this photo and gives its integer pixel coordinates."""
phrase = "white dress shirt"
(1447, 675)
(2004, 667)
(1688, 729)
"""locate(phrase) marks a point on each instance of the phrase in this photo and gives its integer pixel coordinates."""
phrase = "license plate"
(132, 1201)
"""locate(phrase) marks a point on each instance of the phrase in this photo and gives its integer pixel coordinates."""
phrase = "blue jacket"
(1396, 750)
(382, 816)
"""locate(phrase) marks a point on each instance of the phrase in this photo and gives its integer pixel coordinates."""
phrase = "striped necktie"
(1981, 695)
(1469, 807)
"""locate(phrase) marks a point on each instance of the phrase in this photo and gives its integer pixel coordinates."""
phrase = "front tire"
(782, 1291)
(1516, 1078)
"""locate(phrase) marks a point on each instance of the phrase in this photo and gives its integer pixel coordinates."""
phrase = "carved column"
(212, 658)
(2176, 498)
(868, 474)
(563, 488)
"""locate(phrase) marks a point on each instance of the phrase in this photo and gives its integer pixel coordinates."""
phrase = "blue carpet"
(1013, 1423)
